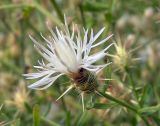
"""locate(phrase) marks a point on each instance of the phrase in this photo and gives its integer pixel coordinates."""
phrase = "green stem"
(133, 87)
(155, 87)
(45, 12)
(58, 10)
(156, 94)
(62, 99)
(117, 101)
(22, 38)
(122, 103)
(32, 27)
(136, 96)
(10, 6)
(51, 123)
(34, 5)
(82, 14)
(151, 109)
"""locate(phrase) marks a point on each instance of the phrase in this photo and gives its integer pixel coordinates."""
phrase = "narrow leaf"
(95, 6)
(151, 109)
(36, 116)
(104, 106)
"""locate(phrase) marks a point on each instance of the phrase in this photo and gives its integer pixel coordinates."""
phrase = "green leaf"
(95, 6)
(28, 107)
(1, 107)
(51, 123)
(108, 17)
(143, 94)
(36, 116)
(17, 122)
(85, 117)
(68, 118)
(104, 106)
(151, 109)
(156, 120)
(27, 11)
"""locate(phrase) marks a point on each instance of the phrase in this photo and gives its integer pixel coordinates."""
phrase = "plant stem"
(58, 10)
(45, 12)
(123, 103)
(51, 123)
(34, 5)
(133, 87)
(62, 99)
(10, 6)
(136, 95)
(117, 101)
(82, 14)
(22, 44)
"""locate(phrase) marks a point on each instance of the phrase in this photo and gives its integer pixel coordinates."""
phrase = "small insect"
(85, 81)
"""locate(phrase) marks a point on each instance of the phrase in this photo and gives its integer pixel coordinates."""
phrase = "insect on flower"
(67, 53)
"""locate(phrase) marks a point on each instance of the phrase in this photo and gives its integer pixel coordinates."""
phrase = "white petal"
(98, 34)
(89, 45)
(101, 42)
(41, 47)
(105, 49)
(54, 60)
(41, 82)
(93, 58)
(36, 75)
(44, 82)
(103, 67)
(67, 56)
(66, 26)
(85, 39)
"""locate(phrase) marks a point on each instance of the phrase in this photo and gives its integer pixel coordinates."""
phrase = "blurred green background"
(136, 22)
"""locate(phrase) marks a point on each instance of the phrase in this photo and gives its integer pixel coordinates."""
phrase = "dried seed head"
(20, 96)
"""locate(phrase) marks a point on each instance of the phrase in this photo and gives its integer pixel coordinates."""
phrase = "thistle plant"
(67, 53)
(77, 61)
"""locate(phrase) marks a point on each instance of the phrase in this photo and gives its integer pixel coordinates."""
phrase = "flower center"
(85, 80)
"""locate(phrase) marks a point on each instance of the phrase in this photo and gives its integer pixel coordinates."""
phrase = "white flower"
(66, 53)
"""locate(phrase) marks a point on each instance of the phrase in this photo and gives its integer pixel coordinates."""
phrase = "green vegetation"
(131, 94)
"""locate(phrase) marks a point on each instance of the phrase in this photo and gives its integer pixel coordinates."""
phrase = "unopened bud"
(149, 12)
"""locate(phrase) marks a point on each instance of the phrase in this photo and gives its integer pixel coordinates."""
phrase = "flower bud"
(148, 13)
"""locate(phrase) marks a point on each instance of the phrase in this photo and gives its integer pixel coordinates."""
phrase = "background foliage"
(135, 22)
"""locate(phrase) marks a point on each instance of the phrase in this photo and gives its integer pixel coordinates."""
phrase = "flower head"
(20, 97)
(123, 58)
(68, 54)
